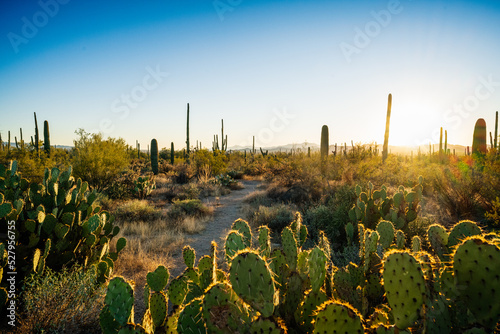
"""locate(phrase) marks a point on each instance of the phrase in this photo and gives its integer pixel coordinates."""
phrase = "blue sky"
(276, 70)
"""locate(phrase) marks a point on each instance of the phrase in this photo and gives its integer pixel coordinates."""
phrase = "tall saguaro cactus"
(172, 153)
(154, 156)
(187, 131)
(324, 142)
(46, 137)
(446, 142)
(37, 137)
(496, 130)
(387, 123)
(479, 140)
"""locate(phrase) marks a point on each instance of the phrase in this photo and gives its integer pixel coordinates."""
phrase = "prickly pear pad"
(158, 307)
(405, 287)
(251, 279)
(337, 317)
(190, 318)
(157, 280)
(476, 264)
(243, 228)
(189, 255)
(462, 230)
(386, 231)
(120, 300)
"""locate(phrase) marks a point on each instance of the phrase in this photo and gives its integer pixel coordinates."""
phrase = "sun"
(414, 125)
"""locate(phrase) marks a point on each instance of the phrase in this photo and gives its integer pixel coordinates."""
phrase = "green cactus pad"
(400, 239)
(386, 231)
(476, 265)
(205, 263)
(438, 239)
(191, 319)
(157, 280)
(158, 306)
(234, 243)
(243, 228)
(132, 329)
(177, 290)
(223, 311)
(120, 244)
(437, 316)
(107, 321)
(120, 300)
(317, 268)
(289, 245)
(266, 326)
(252, 280)
(189, 255)
(304, 315)
(337, 317)
(463, 229)
(264, 241)
(416, 244)
(404, 284)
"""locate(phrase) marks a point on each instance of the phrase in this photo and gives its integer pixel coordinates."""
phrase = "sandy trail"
(225, 213)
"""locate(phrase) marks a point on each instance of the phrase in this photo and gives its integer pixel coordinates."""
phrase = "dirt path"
(226, 212)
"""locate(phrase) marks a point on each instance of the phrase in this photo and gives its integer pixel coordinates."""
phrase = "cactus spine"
(154, 156)
(479, 141)
(46, 137)
(387, 123)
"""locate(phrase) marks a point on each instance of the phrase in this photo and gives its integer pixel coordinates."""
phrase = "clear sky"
(278, 70)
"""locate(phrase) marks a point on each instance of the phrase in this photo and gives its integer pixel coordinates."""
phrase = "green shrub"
(68, 301)
(99, 161)
(189, 207)
(276, 217)
(135, 210)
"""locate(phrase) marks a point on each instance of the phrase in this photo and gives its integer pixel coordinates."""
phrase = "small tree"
(99, 161)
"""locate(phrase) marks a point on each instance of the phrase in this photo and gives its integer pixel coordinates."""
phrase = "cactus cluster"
(372, 205)
(58, 223)
(296, 290)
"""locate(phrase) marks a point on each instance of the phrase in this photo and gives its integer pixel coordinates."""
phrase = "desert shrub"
(135, 210)
(182, 173)
(99, 161)
(458, 191)
(276, 217)
(68, 301)
(332, 216)
(419, 228)
(189, 207)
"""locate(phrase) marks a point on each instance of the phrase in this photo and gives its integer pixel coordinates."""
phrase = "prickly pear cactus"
(157, 280)
(264, 241)
(405, 287)
(242, 226)
(252, 281)
(386, 231)
(336, 317)
(189, 255)
(290, 249)
(438, 239)
(462, 230)
(191, 319)
(234, 243)
(119, 301)
(317, 268)
(476, 265)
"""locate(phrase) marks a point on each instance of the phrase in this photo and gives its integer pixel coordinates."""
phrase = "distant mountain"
(287, 147)
(405, 150)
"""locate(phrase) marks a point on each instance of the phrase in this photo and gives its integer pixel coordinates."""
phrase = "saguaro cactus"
(324, 142)
(187, 131)
(387, 123)
(154, 156)
(496, 130)
(479, 140)
(172, 153)
(37, 137)
(46, 137)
